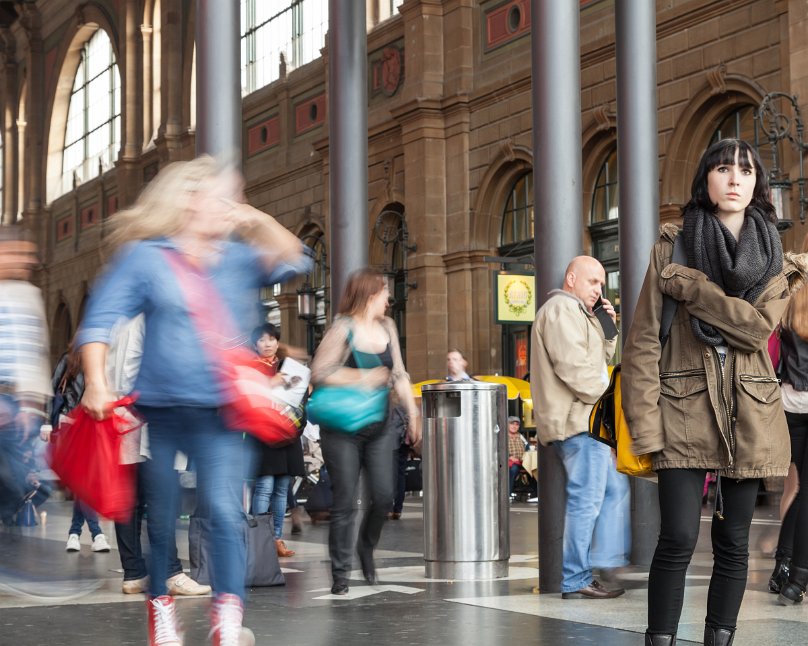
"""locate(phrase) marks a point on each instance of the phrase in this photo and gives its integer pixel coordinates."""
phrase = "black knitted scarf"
(742, 267)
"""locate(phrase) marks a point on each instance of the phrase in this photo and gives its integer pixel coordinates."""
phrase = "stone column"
(146, 34)
(128, 175)
(10, 167)
(424, 140)
(171, 124)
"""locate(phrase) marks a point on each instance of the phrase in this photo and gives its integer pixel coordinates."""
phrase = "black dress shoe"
(368, 569)
(593, 591)
(340, 587)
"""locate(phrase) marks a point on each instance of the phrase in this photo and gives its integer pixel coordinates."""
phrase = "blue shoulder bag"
(348, 408)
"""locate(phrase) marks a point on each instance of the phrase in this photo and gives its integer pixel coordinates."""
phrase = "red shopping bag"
(251, 407)
(86, 455)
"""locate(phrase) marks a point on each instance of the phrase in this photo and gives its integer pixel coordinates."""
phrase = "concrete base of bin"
(467, 570)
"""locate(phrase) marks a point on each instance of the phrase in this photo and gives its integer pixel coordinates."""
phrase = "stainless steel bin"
(465, 470)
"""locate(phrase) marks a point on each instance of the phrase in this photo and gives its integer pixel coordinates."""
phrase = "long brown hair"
(795, 318)
(362, 285)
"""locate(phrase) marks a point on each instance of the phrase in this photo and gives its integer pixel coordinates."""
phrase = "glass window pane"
(517, 216)
(605, 192)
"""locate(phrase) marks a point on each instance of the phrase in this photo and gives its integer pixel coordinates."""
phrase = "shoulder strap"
(670, 304)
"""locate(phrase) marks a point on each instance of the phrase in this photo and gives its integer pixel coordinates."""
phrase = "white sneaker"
(183, 585)
(73, 544)
(100, 544)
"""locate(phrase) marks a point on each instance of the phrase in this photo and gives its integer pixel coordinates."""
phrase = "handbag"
(607, 423)
(86, 455)
(249, 404)
(348, 409)
(263, 568)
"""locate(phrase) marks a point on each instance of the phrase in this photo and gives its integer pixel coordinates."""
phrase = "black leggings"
(680, 492)
(794, 531)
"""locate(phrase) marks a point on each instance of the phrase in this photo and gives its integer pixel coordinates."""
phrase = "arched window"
(738, 124)
(517, 216)
(276, 33)
(93, 133)
(604, 195)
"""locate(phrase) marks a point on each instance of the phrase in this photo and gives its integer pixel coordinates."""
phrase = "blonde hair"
(161, 208)
(795, 318)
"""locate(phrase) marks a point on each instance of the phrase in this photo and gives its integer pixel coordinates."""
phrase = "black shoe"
(340, 587)
(794, 590)
(593, 591)
(718, 636)
(780, 575)
(368, 567)
(659, 639)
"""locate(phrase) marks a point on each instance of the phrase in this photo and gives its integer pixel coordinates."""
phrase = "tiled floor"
(406, 609)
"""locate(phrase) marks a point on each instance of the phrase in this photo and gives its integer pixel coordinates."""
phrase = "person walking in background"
(277, 465)
(361, 328)
(456, 365)
(188, 226)
(792, 546)
(25, 384)
(68, 387)
(714, 375)
(568, 374)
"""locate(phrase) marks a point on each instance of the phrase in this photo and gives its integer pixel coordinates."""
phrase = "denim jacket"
(175, 369)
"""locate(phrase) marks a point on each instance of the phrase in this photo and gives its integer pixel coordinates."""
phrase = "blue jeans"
(271, 494)
(590, 494)
(513, 471)
(81, 513)
(219, 456)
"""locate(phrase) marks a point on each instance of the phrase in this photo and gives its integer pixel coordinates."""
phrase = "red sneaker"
(164, 627)
(226, 615)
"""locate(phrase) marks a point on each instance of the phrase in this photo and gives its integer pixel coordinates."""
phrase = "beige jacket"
(568, 362)
(680, 404)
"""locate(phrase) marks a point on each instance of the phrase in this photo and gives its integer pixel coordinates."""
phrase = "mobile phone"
(606, 322)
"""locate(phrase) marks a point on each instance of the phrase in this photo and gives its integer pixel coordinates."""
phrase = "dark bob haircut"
(261, 330)
(723, 153)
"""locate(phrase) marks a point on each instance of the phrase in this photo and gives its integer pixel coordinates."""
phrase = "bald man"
(568, 360)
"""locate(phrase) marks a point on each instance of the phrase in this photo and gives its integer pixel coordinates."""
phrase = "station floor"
(84, 603)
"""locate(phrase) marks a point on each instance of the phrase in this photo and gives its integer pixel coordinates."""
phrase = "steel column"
(638, 170)
(348, 138)
(558, 228)
(218, 80)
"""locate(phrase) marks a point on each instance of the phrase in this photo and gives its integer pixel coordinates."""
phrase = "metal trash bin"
(465, 471)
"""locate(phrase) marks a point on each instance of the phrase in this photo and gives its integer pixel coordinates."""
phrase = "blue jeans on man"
(595, 491)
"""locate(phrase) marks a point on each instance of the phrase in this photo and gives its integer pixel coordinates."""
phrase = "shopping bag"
(607, 424)
(263, 568)
(252, 406)
(85, 453)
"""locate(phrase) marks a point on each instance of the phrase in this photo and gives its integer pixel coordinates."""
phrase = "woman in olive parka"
(707, 399)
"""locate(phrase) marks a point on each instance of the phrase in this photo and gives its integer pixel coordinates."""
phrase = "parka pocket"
(687, 415)
(682, 383)
(761, 388)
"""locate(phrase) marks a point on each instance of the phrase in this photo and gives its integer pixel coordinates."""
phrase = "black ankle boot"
(718, 636)
(659, 639)
(780, 575)
(793, 591)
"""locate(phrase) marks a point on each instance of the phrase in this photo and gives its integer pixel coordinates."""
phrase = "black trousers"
(127, 535)
(371, 451)
(793, 540)
(680, 492)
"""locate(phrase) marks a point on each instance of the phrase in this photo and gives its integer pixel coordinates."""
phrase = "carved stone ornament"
(604, 118)
(391, 70)
(507, 150)
(717, 78)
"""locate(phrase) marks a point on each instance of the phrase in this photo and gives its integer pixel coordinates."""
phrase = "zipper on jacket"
(728, 439)
(754, 379)
(682, 373)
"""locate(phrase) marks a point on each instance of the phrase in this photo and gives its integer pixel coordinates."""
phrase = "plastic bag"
(85, 454)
